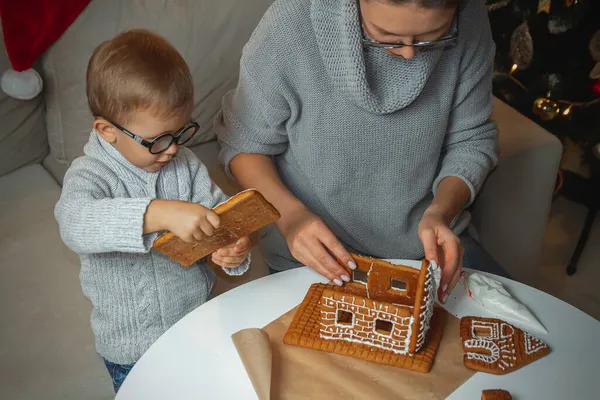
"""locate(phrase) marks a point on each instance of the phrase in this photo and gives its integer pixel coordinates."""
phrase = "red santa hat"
(30, 27)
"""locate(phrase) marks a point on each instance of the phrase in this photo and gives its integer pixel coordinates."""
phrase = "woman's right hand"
(312, 243)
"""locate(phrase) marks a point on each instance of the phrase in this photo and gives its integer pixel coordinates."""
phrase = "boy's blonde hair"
(138, 70)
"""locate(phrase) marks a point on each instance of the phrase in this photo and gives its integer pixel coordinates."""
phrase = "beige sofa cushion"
(46, 340)
(22, 131)
(209, 34)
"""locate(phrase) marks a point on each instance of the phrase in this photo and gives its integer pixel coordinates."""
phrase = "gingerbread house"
(384, 315)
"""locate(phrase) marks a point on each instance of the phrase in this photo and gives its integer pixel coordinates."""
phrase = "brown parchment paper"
(280, 372)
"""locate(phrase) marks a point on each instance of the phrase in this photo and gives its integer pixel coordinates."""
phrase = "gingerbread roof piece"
(494, 346)
(383, 315)
(241, 215)
(495, 394)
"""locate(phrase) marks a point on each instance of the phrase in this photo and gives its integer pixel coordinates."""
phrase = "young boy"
(134, 182)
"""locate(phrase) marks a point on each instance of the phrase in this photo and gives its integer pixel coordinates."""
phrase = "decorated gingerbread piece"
(385, 315)
(494, 346)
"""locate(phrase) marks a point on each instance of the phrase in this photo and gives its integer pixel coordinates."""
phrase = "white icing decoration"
(492, 347)
(427, 307)
(397, 341)
(499, 343)
(502, 352)
(368, 276)
(533, 344)
(508, 328)
(491, 326)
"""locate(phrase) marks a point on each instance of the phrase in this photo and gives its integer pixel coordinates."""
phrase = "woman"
(367, 124)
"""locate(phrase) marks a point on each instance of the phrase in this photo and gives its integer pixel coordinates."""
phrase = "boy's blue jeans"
(117, 372)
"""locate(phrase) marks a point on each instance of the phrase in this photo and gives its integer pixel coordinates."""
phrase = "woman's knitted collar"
(373, 79)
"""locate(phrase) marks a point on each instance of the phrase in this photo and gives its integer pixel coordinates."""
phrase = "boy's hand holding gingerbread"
(233, 255)
(188, 221)
(192, 222)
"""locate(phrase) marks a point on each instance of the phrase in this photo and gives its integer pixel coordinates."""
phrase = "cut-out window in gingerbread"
(482, 331)
(345, 318)
(398, 284)
(383, 327)
(358, 275)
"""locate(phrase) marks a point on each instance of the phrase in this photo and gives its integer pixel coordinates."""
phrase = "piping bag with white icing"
(491, 295)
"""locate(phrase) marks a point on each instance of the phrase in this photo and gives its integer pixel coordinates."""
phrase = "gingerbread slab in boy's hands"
(241, 215)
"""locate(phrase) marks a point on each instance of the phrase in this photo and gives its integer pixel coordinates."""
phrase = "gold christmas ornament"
(546, 109)
(544, 6)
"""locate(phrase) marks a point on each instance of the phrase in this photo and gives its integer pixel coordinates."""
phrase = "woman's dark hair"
(428, 3)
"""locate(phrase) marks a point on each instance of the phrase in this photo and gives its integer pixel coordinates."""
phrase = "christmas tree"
(547, 66)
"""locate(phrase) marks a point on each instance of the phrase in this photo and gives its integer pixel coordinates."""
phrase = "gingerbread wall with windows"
(383, 315)
(387, 306)
(355, 318)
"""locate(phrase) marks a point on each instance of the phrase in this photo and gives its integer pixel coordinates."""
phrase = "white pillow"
(22, 133)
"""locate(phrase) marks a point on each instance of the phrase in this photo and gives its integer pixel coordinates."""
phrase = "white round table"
(196, 358)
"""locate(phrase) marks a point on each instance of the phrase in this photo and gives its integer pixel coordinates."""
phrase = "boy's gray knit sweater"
(362, 137)
(137, 293)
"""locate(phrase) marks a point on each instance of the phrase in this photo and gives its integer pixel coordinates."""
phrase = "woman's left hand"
(233, 255)
(442, 246)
